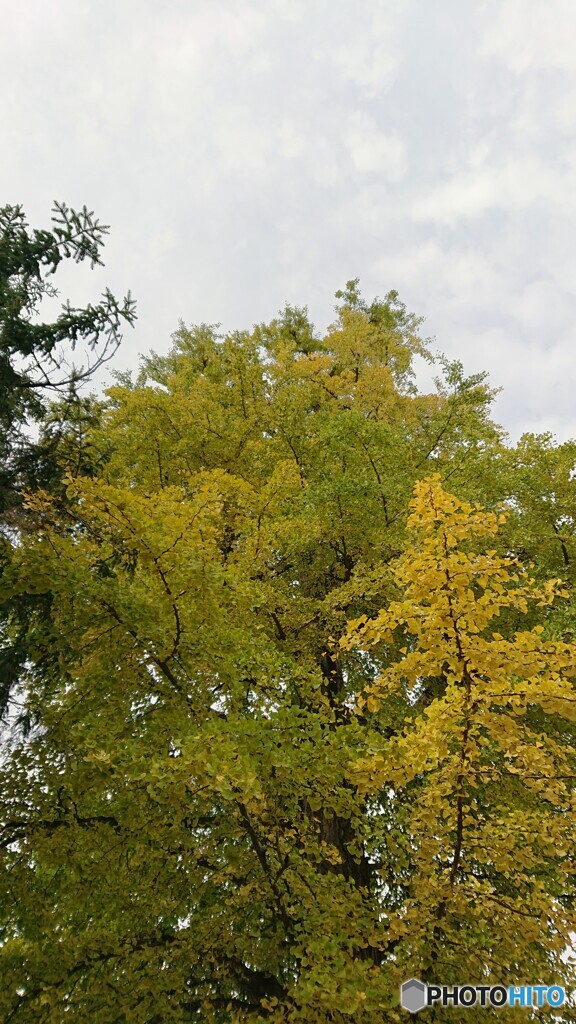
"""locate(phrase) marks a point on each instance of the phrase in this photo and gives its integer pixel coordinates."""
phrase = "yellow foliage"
(488, 783)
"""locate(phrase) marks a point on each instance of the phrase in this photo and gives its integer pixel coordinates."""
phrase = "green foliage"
(303, 719)
(34, 367)
(33, 354)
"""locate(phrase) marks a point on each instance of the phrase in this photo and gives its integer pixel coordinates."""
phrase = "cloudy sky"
(252, 152)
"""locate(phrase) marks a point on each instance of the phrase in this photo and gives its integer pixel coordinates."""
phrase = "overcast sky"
(252, 152)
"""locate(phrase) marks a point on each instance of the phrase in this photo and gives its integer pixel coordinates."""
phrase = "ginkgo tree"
(483, 761)
(303, 719)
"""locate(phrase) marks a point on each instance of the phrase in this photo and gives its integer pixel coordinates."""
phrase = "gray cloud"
(249, 152)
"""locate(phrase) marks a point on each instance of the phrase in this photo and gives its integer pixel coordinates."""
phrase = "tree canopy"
(303, 710)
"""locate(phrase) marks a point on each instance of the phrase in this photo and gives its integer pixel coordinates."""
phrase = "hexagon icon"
(413, 995)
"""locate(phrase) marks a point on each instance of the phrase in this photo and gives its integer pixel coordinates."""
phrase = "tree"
(34, 355)
(483, 757)
(35, 371)
(277, 744)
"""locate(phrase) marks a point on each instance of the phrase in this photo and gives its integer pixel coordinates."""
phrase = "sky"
(249, 153)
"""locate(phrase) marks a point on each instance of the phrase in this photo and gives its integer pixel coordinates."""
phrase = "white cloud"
(529, 35)
(241, 145)
(373, 151)
(513, 184)
(292, 141)
(369, 56)
(291, 10)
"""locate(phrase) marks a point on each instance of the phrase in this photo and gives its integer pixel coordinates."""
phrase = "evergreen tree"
(36, 372)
